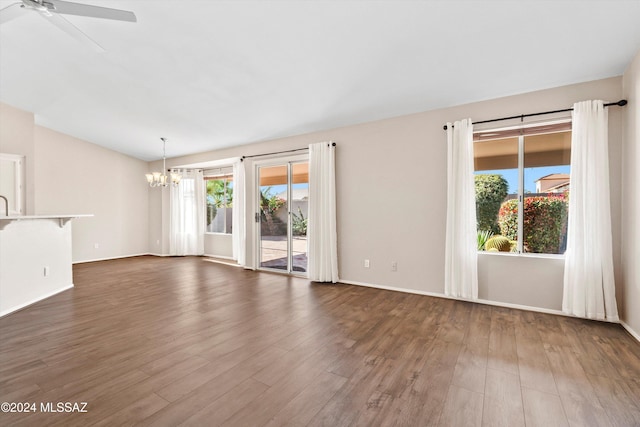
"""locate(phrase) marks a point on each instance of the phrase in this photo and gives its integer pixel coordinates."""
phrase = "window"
(219, 206)
(522, 188)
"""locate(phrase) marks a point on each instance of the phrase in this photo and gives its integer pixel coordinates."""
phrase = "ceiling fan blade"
(72, 30)
(70, 8)
(10, 12)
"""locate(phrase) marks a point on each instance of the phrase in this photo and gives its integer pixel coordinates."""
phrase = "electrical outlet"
(158, 242)
(46, 271)
(366, 263)
(96, 245)
(394, 265)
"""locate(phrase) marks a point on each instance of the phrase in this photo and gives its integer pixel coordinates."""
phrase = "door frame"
(275, 161)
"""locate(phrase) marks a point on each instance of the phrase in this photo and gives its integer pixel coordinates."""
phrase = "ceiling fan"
(52, 10)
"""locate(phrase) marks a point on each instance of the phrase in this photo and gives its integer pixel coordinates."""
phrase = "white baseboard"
(26, 304)
(630, 330)
(439, 295)
(481, 301)
(113, 257)
(230, 262)
(150, 254)
(219, 256)
(146, 253)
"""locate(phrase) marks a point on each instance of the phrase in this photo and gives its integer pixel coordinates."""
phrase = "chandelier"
(160, 179)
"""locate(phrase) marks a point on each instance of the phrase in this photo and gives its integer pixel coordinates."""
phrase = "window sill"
(212, 233)
(525, 255)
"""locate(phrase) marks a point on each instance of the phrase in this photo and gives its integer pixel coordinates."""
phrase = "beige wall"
(630, 256)
(401, 162)
(218, 245)
(522, 280)
(74, 176)
(65, 175)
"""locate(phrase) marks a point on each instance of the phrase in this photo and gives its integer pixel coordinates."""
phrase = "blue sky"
(277, 189)
(530, 176)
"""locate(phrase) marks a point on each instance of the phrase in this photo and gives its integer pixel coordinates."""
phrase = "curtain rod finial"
(445, 127)
(622, 102)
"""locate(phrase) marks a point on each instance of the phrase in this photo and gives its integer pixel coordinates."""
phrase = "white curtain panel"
(589, 289)
(322, 235)
(239, 209)
(461, 257)
(186, 228)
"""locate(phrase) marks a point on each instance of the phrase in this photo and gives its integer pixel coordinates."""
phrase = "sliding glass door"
(283, 192)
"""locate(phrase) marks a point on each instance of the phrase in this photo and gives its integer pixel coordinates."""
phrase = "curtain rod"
(333, 144)
(620, 103)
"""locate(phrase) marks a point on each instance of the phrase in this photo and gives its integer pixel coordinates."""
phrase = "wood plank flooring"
(180, 341)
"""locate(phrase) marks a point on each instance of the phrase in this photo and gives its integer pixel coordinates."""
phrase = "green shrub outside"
(545, 222)
(299, 223)
(483, 236)
(490, 192)
(219, 195)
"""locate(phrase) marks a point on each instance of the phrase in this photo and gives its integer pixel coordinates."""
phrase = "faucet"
(6, 206)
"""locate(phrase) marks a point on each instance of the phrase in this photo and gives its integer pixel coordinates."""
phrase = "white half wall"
(27, 247)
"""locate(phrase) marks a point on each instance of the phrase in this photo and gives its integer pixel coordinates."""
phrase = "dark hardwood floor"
(180, 341)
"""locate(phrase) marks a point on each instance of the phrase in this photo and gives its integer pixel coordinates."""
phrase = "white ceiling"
(211, 74)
